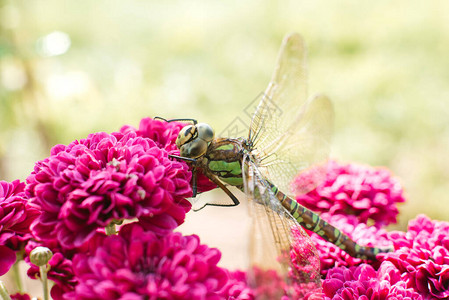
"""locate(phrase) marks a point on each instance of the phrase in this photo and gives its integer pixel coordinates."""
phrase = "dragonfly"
(289, 135)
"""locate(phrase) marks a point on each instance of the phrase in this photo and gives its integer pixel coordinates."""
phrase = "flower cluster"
(83, 187)
(137, 263)
(422, 258)
(369, 193)
(103, 178)
(351, 197)
(16, 215)
(165, 134)
(364, 282)
(107, 178)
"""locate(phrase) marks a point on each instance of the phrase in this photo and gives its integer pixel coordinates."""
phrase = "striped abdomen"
(313, 222)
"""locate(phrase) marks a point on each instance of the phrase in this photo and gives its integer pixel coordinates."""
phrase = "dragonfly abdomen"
(313, 222)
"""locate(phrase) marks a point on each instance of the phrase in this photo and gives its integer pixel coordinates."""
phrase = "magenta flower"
(7, 259)
(165, 134)
(364, 282)
(422, 233)
(369, 193)
(89, 183)
(136, 264)
(422, 257)
(237, 287)
(16, 215)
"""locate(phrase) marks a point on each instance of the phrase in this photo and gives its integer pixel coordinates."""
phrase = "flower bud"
(40, 256)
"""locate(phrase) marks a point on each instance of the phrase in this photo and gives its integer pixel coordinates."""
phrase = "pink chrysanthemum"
(364, 282)
(331, 256)
(422, 233)
(237, 287)
(106, 177)
(136, 264)
(16, 215)
(369, 193)
(165, 134)
(422, 257)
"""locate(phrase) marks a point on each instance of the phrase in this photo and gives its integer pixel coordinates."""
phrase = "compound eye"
(186, 134)
(193, 149)
(205, 132)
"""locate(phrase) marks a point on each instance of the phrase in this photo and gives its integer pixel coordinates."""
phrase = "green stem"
(16, 275)
(3, 292)
(43, 271)
(110, 229)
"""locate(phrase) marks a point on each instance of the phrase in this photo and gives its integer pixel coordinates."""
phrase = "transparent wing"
(290, 133)
(303, 146)
(283, 256)
(287, 90)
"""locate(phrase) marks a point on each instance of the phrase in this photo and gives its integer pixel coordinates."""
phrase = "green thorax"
(224, 160)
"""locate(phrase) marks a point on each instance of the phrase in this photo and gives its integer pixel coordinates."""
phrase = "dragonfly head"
(193, 140)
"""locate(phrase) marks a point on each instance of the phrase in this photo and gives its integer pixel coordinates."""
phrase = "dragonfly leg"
(226, 190)
(194, 162)
(194, 121)
(194, 182)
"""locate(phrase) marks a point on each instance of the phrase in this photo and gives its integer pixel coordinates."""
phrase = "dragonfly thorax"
(193, 140)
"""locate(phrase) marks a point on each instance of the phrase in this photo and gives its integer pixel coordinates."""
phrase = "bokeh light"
(53, 44)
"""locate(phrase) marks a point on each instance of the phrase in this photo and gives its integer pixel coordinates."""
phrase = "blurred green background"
(69, 68)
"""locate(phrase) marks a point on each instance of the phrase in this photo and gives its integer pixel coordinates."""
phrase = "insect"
(289, 133)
